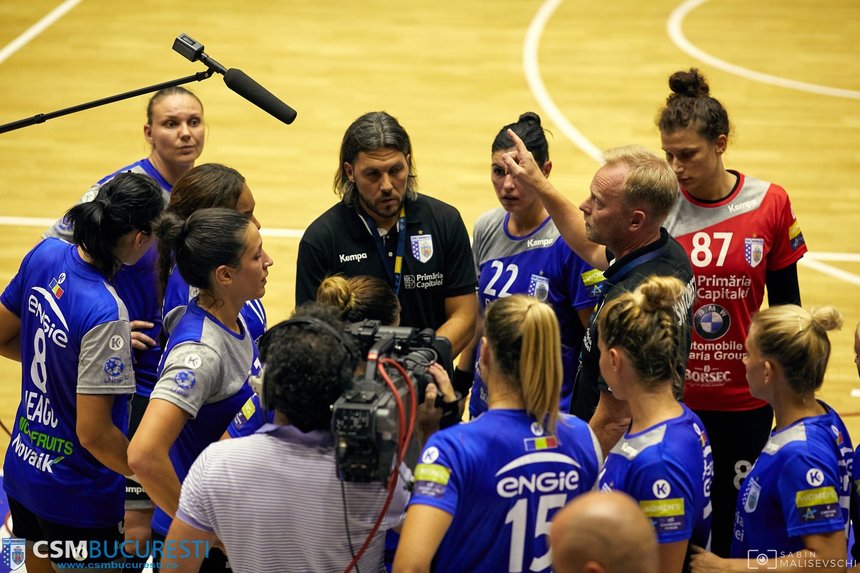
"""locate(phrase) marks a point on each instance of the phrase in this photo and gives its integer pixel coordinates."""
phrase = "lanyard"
(606, 285)
(395, 274)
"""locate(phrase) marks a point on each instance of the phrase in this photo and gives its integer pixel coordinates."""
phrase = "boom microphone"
(236, 80)
(242, 84)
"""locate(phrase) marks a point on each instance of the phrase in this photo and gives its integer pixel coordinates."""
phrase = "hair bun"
(689, 83)
(530, 117)
(826, 318)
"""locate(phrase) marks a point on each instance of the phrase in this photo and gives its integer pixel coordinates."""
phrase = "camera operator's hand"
(430, 413)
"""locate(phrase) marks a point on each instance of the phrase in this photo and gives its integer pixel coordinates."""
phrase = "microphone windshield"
(242, 84)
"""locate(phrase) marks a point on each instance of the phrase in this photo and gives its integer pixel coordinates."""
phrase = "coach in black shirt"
(383, 228)
(617, 228)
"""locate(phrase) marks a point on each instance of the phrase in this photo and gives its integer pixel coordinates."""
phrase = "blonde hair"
(524, 336)
(643, 323)
(360, 298)
(797, 340)
(650, 180)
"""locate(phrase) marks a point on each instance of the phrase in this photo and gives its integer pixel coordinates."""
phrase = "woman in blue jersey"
(209, 356)
(664, 459)
(792, 510)
(61, 317)
(205, 186)
(175, 132)
(486, 492)
(518, 249)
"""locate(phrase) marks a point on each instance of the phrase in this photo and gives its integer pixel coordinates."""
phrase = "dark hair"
(527, 128)
(163, 93)
(643, 324)
(307, 367)
(372, 131)
(690, 106)
(523, 334)
(206, 240)
(796, 339)
(202, 187)
(360, 298)
(128, 202)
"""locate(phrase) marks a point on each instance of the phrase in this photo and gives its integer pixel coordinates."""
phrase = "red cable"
(400, 451)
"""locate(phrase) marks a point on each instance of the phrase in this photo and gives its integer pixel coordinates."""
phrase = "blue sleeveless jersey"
(668, 469)
(799, 485)
(503, 479)
(204, 372)
(177, 293)
(539, 264)
(75, 339)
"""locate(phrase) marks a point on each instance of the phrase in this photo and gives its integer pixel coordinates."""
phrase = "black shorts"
(135, 496)
(64, 544)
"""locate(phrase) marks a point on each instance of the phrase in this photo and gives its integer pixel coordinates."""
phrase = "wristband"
(463, 381)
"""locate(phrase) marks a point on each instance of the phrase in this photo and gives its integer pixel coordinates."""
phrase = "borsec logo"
(430, 455)
(712, 321)
(185, 379)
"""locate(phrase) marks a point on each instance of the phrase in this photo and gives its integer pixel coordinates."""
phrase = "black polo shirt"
(437, 258)
(664, 257)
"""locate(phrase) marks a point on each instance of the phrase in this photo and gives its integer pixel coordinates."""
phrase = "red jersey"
(732, 244)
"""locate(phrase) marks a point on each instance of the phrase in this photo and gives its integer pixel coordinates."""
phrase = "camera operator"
(308, 363)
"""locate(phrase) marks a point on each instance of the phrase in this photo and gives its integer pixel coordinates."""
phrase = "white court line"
(36, 29)
(673, 28)
(829, 270)
(533, 77)
(45, 223)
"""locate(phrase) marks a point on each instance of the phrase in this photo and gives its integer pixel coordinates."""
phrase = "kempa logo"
(539, 242)
(355, 257)
(742, 206)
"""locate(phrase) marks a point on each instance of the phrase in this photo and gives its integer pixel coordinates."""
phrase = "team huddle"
(620, 402)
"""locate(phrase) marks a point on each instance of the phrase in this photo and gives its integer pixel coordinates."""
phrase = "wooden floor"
(453, 73)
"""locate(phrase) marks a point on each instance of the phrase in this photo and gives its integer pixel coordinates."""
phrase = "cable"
(404, 435)
(346, 525)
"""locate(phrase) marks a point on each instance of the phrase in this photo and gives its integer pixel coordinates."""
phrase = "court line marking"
(676, 34)
(36, 29)
(531, 46)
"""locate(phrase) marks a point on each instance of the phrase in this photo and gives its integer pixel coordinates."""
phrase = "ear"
(147, 133)
(141, 238)
(615, 359)
(347, 167)
(721, 144)
(223, 275)
(547, 167)
(637, 219)
(484, 358)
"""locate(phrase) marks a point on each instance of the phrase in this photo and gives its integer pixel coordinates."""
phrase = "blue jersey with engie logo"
(503, 479)
(75, 339)
(800, 485)
(668, 469)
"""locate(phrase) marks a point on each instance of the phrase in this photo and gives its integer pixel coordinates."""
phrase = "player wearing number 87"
(741, 235)
(64, 321)
(486, 491)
